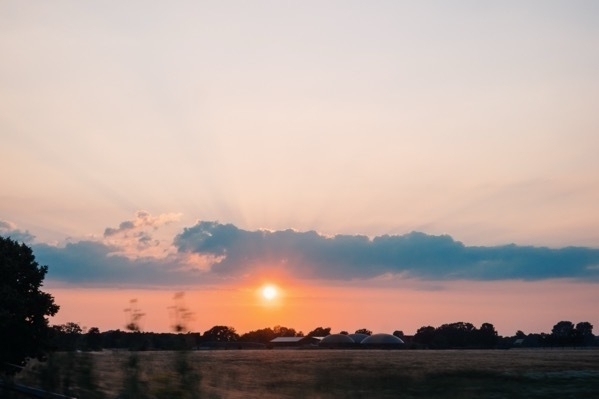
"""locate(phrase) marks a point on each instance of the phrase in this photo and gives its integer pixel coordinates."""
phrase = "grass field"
(535, 373)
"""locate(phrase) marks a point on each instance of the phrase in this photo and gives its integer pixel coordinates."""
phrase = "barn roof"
(286, 339)
(382, 339)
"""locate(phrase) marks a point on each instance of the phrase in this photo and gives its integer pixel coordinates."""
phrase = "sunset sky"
(384, 164)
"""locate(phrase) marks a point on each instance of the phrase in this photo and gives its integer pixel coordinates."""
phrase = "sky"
(385, 164)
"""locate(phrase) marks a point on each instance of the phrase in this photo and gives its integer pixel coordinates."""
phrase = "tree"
(364, 331)
(67, 337)
(221, 334)
(398, 333)
(584, 328)
(93, 339)
(425, 335)
(454, 335)
(264, 335)
(487, 336)
(24, 329)
(281, 331)
(320, 332)
(563, 333)
(583, 333)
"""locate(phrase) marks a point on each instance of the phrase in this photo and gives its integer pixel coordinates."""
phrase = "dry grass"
(539, 373)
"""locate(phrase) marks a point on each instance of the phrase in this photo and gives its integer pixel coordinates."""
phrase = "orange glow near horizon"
(406, 306)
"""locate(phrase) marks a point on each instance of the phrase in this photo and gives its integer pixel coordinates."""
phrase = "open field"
(535, 373)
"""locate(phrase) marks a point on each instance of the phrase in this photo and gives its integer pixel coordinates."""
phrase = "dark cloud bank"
(310, 255)
(95, 263)
(313, 256)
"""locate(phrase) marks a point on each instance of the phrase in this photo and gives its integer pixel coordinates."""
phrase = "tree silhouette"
(563, 333)
(364, 331)
(24, 329)
(457, 335)
(66, 336)
(583, 333)
(320, 332)
(263, 335)
(398, 333)
(221, 334)
(281, 331)
(93, 339)
(486, 336)
(425, 335)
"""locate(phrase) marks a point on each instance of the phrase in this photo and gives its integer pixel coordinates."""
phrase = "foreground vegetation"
(515, 373)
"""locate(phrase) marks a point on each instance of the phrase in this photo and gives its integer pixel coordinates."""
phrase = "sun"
(269, 292)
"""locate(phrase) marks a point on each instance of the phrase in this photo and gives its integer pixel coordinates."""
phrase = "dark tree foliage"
(320, 332)
(220, 334)
(24, 329)
(486, 336)
(66, 337)
(93, 339)
(563, 333)
(584, 328)
(457, 335)
(265, 335)
(583, 334)
(425, 336)
(364, 331)
(281, 331)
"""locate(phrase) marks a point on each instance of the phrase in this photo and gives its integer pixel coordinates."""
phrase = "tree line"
(458, 335)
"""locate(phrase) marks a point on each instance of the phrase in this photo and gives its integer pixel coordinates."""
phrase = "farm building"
(378, 341)
(382, 341)
(294, 342)
(358, 338)
(336, 341)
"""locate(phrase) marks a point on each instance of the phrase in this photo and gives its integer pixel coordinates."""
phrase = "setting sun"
(269, 292)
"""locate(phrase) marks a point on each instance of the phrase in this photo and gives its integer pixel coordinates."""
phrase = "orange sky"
(531, 307)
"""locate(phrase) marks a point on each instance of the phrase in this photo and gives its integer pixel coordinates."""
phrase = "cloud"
(142, 219)
(9, 229)
(94, 263)
(134, 238)
(418, 255)
(210, 252)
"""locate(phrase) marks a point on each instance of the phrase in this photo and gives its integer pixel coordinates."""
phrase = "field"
(515, 373)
